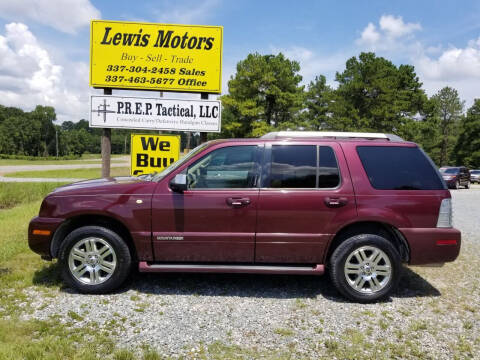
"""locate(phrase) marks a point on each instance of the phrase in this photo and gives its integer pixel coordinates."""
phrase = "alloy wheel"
(92, 261)
(368, 269)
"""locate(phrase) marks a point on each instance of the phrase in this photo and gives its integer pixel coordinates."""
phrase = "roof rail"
(330, 134)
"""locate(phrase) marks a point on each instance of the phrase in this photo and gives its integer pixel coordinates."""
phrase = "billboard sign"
(155, 113)
(153, 153)
(148, 56)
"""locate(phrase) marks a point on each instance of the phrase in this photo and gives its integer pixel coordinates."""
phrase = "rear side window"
(303, 166)
(399, 168)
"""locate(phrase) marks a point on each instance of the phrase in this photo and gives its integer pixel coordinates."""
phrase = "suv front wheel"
(365, 268)
(94, 260)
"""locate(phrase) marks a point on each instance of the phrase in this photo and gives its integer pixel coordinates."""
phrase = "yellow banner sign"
(153, 153)
(132, 55)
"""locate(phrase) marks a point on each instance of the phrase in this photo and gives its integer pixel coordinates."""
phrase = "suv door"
(306, 192)
(465, 175)
(214, 219)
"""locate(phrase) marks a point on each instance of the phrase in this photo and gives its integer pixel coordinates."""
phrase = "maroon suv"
(355, 204)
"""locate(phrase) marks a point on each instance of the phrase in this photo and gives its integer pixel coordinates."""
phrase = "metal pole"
(203, 135)
(106, 145)
(161, 95)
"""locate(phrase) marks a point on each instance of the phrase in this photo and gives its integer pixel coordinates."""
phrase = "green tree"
(318, 105)
(7, 112)
(467, 149)
(375, 95)
(427, 132)
(449, 111)
(264, 94)
(46, 116)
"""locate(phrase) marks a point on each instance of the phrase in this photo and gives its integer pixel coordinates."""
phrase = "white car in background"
(475, 176)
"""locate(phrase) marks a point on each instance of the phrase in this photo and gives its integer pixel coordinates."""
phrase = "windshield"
(475, 172)
(449, 170)
(179, 162)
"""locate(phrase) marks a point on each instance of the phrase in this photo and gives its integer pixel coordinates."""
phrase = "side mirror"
(179, 183)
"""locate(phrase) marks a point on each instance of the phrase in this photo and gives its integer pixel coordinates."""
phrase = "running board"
(144, 266)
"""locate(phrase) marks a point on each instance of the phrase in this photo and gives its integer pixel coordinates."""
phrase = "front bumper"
(432, 245)
(41, 240)
(450, 183)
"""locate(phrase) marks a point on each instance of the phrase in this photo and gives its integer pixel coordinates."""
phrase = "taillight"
(445, 214)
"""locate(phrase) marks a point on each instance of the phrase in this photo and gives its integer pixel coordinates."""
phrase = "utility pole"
(106, 145)
(56, 140)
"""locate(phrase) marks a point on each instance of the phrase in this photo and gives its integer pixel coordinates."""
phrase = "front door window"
(233, 167)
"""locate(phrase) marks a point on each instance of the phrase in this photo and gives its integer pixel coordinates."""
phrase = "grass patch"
(13, 237)
(32, 160)
(13, 162)
(353, 345)
(41, 339)
(284, 332)
(20, 267)
(221, 351)
(70, 173)
(13, 194)
(74, 316)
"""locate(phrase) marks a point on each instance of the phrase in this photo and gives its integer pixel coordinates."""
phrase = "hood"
(112, 184)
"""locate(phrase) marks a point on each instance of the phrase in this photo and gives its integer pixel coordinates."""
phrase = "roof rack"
(331, 135)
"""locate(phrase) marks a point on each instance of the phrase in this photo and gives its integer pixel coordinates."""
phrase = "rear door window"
(293, 166)
(399, 168)
(303, 167)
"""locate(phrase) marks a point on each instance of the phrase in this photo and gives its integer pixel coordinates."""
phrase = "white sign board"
(155, 114)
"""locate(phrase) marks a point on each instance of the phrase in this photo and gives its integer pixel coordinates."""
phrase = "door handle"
(335, 202)
(238, 202)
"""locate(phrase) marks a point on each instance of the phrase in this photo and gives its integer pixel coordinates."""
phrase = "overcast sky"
(44, 44)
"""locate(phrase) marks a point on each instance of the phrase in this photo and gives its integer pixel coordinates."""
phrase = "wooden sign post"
(106, 144)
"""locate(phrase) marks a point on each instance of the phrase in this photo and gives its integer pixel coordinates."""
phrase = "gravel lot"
(435, 313)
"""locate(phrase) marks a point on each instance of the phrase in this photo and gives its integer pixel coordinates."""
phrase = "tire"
(101, 257)
(357, 253)
(467, 185)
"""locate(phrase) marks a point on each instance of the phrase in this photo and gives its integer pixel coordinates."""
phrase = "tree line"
(35, 134)
(372, 95)
(265, 94)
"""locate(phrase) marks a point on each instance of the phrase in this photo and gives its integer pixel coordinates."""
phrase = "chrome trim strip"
(234, 267)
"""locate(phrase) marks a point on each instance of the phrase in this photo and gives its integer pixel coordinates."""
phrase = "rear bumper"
(432, 245)
(45, 227)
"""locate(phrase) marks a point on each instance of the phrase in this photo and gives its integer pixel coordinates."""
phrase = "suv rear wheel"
(94, 260)
(365, 268)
